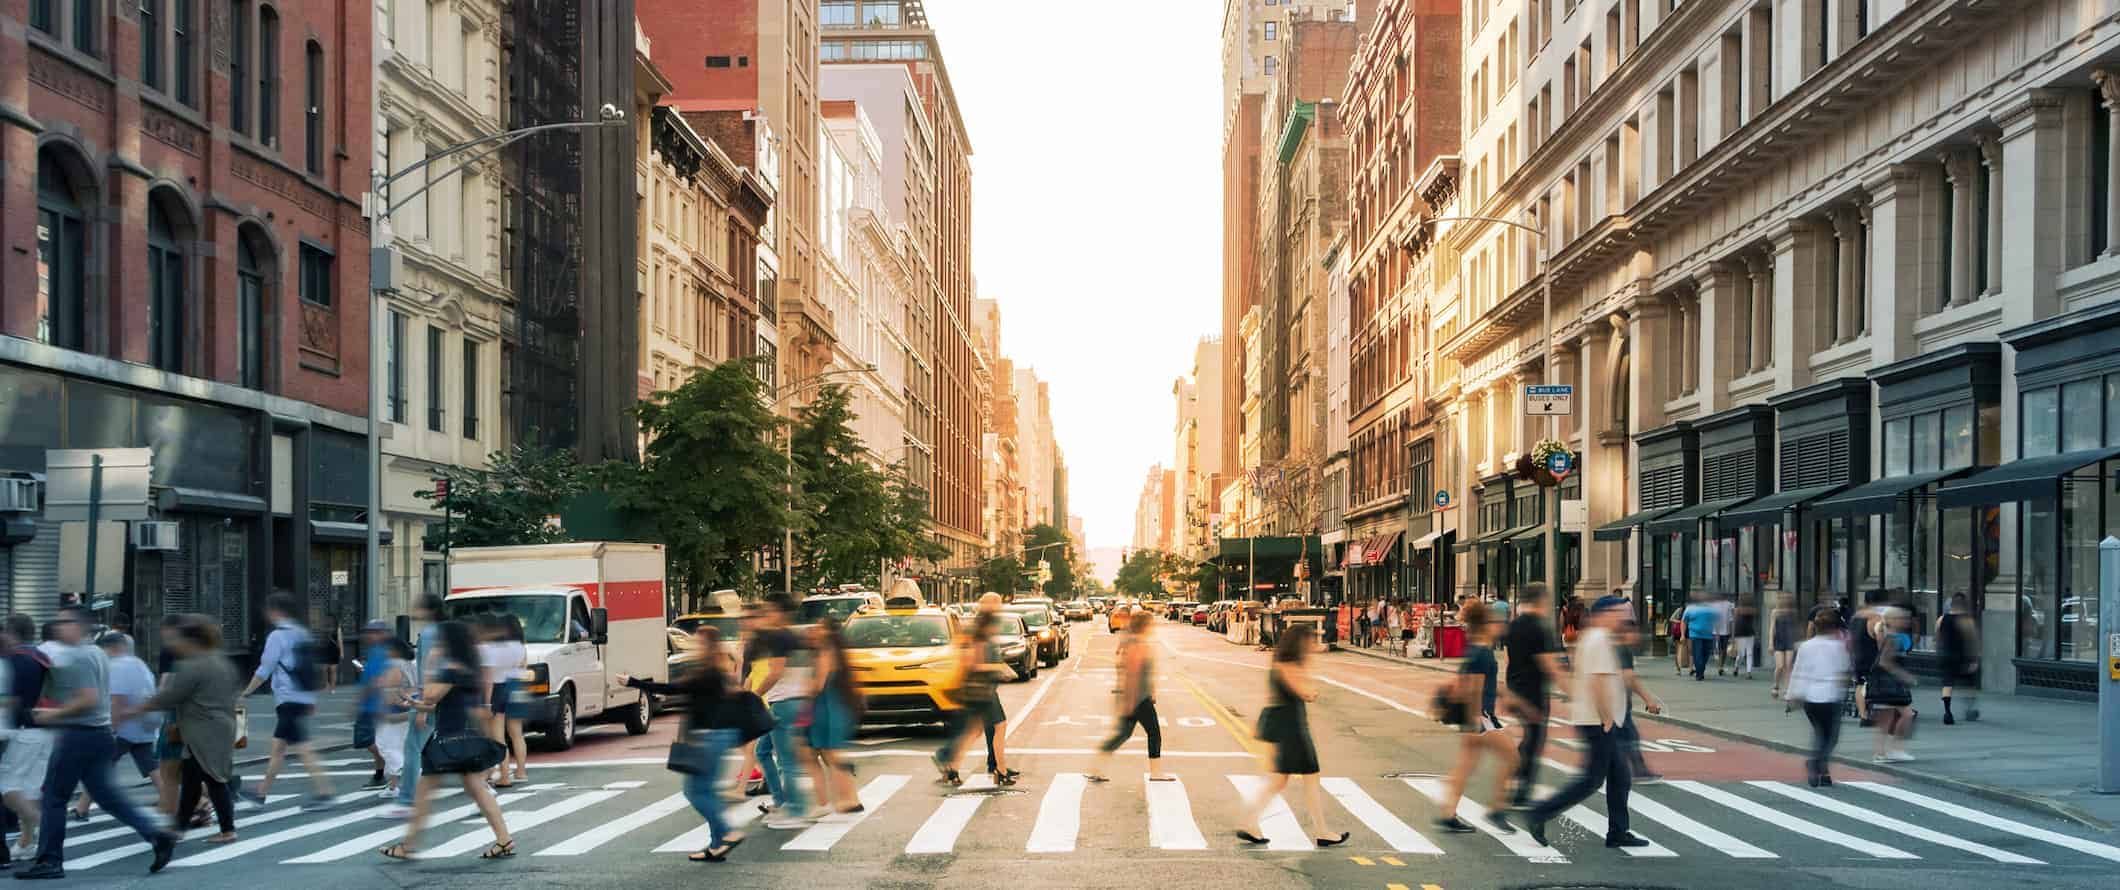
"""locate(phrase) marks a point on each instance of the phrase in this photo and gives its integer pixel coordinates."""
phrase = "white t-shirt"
(1597, 665)
(502, 659)
(1725, 618)
(1820, 674)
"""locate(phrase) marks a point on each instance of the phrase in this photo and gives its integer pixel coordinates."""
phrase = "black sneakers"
(1455, 825)
(1625, 839)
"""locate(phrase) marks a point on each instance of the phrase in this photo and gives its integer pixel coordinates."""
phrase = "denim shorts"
(292, 725)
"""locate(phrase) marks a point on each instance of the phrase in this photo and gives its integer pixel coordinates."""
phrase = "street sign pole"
(2109, 684)
(95, 499)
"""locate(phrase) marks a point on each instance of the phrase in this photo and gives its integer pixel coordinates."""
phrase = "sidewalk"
(2033, 752)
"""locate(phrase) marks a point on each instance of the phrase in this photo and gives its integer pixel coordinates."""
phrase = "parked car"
(1199, 614)
(838, 605)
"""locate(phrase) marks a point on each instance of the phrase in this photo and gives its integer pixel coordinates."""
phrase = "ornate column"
(1959, 164)
(1759, 295)
(1841, 312)
(1991, 157)
(1791, 331)
(1715, 343)
(1894, 295)
(1566, 369)
(1859, 305)
(2108, 82)
(1645, 334)
(2032, 194)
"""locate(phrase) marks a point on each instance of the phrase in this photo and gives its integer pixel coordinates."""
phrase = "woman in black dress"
(454, 697)
(1782, 639)
(1286, 724)
(1958, 650)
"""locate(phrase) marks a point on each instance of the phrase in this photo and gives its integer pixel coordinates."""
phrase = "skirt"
(831, 724)
(1296, 755)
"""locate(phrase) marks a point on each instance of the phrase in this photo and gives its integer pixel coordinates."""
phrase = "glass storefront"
(2057, 604)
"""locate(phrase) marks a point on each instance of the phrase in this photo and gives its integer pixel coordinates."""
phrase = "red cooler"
(1450, 641)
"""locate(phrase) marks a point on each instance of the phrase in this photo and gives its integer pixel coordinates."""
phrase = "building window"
(165, 288)
(470, 388)
(434, 378)
(62, 255)
(317, 284)
(151, 43)
(85, 18)
(251, 266)
(1272, 31)
(180, 45)
(836, 14)
(394, 368)
(314, 124)
(239, 66)
(717, 61)
(268, 76)
(1272, 65)
(42, 16)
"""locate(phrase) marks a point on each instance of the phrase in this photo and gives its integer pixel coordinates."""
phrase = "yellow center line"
(1393, 861)
(1398, 886)
(1361, 860)
(1229, 721)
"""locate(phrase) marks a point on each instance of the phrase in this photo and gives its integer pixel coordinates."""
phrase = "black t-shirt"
(26, 667)
(1528, 637)
(1747, 623)
(1479, 661)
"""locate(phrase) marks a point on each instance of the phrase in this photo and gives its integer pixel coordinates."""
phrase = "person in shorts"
(130, 684)
(375, 656)
(292, 704)
(29, 747)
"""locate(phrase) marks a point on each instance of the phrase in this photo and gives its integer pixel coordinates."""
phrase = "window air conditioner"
(155, 535)
(18, 495)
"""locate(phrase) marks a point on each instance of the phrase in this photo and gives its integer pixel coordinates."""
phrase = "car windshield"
(1009, 627)
(814, 611)
(1035, 618)
(727, 625)
(543, 616)
(904, 631)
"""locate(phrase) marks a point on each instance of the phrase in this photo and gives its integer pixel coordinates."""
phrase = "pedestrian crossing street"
(1066, 814)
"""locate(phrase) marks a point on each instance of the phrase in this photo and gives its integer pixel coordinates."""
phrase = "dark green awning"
(1768, 509)
(2024, 480)
(1504, 534)
(1530, 532)
(1688, 519)
(1624, 528)
(1265, 548)
(1881, 495)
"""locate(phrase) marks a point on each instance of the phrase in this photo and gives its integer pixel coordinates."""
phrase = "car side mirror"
(600, 626)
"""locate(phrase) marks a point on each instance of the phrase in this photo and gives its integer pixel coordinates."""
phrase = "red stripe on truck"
(626, 600)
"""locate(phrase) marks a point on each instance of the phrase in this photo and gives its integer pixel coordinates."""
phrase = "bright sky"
(1096, 215)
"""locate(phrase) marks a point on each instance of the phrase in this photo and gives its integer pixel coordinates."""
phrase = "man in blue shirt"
(375, 657)
(427, 610)
(285, 647)
(1701, 617)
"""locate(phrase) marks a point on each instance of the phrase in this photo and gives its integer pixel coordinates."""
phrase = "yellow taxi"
(903, 660)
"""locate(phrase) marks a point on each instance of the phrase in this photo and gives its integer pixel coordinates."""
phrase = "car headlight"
(1045, 635)
(944, 664)
(540, 679)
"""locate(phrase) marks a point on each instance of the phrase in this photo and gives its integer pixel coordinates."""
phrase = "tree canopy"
(510, 501)
(856, 515)
(1050, 543)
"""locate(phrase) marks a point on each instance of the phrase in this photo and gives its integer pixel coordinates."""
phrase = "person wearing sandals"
(505, 659)
(200, 695)
(1137, 701)
(1286, 724)
(835, 712)
(454, 698)
(1470, 699)
(983, 669)
(704, 680)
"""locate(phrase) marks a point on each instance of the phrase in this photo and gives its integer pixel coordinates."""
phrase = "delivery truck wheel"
(560, 735)
(638, 717)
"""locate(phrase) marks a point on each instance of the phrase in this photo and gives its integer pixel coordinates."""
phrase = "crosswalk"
(1065, 814)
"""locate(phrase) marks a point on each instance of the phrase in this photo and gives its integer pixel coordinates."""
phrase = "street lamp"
(1553, 421)
(787, 454)
(382, 279)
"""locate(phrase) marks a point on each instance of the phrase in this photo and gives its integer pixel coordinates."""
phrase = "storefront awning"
(1688, 519)
(1380, 548)
(1428, 540)
(1530, 532)
(1265, 548)
(1622, 529)
(1768, 510)
(2030, 479)
(1505, 534)
(1881, 495)
(324, 532)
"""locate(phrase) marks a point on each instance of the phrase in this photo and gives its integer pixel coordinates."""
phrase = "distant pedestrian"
(1744, 637)
(1600, 697)
(330, 650)
(1571, 620)
(1702, 617)
(290, 662)
(455, 698)
(1818, 682)
(705, 681)
(394, 690)
(1285, 723)
(1137, 703)
(1361, 626)
(1862, 632)
(131, 682)
(375, 658)
(1891, 689)
(1725, 627)
(78, 716)
(980, 666)
(787, 691)
(1498, 606)
(1629, 634)
(504, 658)
(835, 714)
(1958, 657)
(1783, 629)
(1394, 629)
(1461, 704)
(1681, 647)
(1534, 666)
(427, 610)
(29, 747)
(200, 696)
(169, 755)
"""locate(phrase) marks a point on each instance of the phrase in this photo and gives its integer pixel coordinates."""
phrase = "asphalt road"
(1729, 815)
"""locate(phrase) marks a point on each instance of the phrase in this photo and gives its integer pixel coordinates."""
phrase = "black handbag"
(1447, 709)
(686, 754)
(464, 752)
(746, 713)
(1271, 721)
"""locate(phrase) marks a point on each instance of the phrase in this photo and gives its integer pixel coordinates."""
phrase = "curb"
(1997, 794)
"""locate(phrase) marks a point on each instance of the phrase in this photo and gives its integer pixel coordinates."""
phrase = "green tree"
(1051, 544)
(1143, 572)
(857, 515)
(711, 482)
(1001, 575)
(509, 501)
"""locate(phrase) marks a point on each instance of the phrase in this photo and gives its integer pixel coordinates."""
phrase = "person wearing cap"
(1600, 697)
(130, 684)
(375, 659)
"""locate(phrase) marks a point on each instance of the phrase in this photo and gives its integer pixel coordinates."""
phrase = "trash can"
(1450, 641)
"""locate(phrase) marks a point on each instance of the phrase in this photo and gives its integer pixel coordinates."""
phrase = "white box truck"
(590, 612)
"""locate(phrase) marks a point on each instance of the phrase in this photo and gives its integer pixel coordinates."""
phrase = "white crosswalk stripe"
(1283, 832)
(939, 833)
(1599, 826)
(616, 828)
(1059, 815)
(140, 848)
(1693, 830)
(1990, 820)
(1780, 819)
(1376, 818)
(1518, 842)
(1888, 823)
(375, 841)
(1170, 820)
(830, 829)
(481, 838)
(737, 816)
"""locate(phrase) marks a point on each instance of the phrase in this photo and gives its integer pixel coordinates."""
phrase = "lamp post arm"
(382, 181)
(430, 183)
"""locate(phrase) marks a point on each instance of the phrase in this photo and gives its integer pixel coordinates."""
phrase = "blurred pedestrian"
(787, 688)
(1571, 619)
(1783, 630)
(375, 658)
(1394, 629)
(454, 696)
(131, 682)
(1629, 637)
(1681, 646)
(29, 746)
(979, 664)
(1534, 667)
(427, 610)
(1863, 629)
(1137, 703)
(330, 650)
(1744, 637)
(1701, 620)
(290, 662)
(1462, 704)
(1361, 626)
(1891, 688)
(514, 706)
(1600, 697)
(1285, 723)
(394, 690)
(750, 670)
(1958, 657)
(1818, 681)
(200, 696)
(502, 659)
(169, 756)
(835, 713)
(78, 716)
(705, 681)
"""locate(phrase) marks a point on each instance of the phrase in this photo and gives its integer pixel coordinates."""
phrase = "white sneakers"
(779, 823)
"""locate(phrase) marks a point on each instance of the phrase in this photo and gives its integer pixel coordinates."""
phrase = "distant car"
(1019, 649)
(1199, 614)
(1115, 620)
(1053, 643)
(841, 606)
(1079, 610)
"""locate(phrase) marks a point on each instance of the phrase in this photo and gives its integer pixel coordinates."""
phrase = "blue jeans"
(416, 737)
(1703, 649)
(699, 786)
(777, 757)
(81, 757)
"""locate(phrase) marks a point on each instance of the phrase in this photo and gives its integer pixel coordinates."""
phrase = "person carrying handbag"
(1888, 689)
(711, 728)
(1465, 705)
(1286, 724)
(454, 698)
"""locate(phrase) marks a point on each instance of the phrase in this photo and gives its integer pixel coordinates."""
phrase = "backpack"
(304, 671)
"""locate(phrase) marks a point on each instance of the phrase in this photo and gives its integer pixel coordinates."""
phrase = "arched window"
(62, 251)
(167, 279)
(254, 273)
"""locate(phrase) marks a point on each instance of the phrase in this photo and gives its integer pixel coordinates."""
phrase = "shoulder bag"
(745, 712)
(686, 754)
(463, 752)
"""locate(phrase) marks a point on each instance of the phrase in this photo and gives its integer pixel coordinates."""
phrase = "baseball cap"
(1609, 602)
(378, 625)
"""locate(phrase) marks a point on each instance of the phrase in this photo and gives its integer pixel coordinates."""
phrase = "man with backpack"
(289, 662)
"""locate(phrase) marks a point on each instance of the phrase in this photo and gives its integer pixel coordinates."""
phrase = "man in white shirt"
(1725, 625)
(1600, 696)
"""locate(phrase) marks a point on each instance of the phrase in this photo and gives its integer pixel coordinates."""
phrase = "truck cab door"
(584, 661)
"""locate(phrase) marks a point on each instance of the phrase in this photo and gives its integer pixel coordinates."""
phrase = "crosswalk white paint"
(1780, 819)
(1693, 830)
(1518, 842)
(1283, 832)
(829, 830)
(139, 848)
(617, 828)
(939, 833)
(1376, 818)
(1598, 826)
(737, 816)
(1059, 815)
(1170, 820)
(1990, 820)
(373, 842)
(251, 845)
(1833, 805)
(479, 839)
